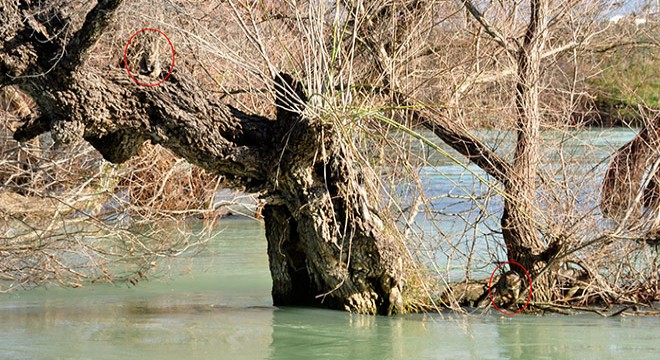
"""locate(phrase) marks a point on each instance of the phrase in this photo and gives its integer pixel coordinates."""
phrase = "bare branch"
(489, 28)
(464, 143)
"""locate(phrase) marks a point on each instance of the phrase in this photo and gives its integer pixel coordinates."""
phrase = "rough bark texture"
(326, 244)
(324, 235)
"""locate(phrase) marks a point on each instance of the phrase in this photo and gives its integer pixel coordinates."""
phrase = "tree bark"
(519, 228)
(326, 244)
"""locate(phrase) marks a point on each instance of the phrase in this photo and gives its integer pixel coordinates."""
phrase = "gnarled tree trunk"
(326, 243)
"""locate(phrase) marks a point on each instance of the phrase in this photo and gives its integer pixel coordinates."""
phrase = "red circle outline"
(126, 60)
(490, 285)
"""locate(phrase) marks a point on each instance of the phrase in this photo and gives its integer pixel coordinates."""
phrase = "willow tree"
(526, 51)
(332, 239)
(530, 55)
(326, 243)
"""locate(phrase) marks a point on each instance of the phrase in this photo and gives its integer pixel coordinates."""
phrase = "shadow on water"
(195, 328)
(312, 333)
(309, 333)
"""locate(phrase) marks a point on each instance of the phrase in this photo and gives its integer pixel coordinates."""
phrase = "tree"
(536, 42)
(343, 80)
(318, 214)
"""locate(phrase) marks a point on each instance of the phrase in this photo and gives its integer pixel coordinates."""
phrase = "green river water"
(216, 305)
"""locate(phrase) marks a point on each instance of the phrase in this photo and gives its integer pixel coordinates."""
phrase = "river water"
(216, 305)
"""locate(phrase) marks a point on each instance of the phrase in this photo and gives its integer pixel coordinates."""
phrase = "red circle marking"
(490, 285)
(126, 60)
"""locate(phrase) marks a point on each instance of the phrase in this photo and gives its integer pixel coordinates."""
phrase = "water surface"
(217, 306)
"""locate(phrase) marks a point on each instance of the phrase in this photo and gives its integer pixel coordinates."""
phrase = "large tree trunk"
(326, 243)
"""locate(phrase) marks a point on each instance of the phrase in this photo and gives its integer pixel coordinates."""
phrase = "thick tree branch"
(451, 134)
(103, 106)
(117, 116)
(30, 60)
(464, 143)
(95, 22)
